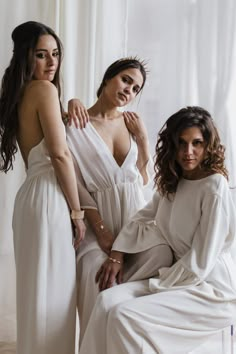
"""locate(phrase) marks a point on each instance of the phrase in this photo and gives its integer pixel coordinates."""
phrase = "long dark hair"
(120, 65)
(17, 75)
(168, 172)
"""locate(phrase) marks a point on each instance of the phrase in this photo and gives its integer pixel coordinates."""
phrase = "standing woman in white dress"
(193, 212)
(30, 117)
(112, 164)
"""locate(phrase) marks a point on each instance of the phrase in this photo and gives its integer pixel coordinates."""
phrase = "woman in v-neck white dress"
(112, 163)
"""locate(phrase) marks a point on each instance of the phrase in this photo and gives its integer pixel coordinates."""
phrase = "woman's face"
(191, 152)
(123, 87)
(46, 58)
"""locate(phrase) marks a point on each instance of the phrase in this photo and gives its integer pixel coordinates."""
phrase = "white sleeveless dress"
(45, 262)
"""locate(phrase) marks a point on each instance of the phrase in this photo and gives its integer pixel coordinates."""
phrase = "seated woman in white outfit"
(112, 160)
(193, 212)
(30, 116)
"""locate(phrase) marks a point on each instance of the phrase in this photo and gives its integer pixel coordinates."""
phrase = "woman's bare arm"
(48, 109)
(136, 126)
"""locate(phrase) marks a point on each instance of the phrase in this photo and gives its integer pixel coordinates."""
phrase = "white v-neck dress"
(45, 262)
(115, 191)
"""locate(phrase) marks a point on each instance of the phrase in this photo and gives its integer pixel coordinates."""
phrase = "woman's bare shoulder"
(39, 88)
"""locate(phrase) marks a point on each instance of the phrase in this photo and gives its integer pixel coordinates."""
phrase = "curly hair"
(167, 170)
(120, 65)
(20, 72)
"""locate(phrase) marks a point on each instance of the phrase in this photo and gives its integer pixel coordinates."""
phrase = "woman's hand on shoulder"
(135, 125)
(77, 113)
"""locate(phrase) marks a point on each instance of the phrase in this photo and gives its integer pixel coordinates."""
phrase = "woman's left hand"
(108, 273)
(77, 113)
(80, 229)
(135, 125)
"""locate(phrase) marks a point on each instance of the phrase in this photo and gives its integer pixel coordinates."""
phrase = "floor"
(220, 344)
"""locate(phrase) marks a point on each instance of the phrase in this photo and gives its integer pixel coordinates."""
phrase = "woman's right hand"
(108, 273)
(77, 113)
(135, 125)
(80, 229)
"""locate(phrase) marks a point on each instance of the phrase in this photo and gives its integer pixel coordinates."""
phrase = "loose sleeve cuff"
(137, 237)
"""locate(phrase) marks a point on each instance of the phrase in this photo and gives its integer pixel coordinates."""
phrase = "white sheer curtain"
(94, 35)
(162, 34)
(188, 46)
(215, 64)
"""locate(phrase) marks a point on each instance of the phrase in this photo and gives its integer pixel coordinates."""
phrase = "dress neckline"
(107, 148)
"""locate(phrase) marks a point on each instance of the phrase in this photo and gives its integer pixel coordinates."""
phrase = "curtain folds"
(189, 46)
(94, 35)
(215, 61)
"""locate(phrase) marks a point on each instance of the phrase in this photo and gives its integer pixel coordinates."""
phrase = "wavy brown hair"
(167, 171)
(20, 72)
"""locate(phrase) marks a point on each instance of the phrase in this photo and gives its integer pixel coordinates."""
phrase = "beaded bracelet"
(113, 260)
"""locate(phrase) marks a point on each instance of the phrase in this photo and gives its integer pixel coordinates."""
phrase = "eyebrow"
(131, 79)
(45, 50)
(181, 139)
